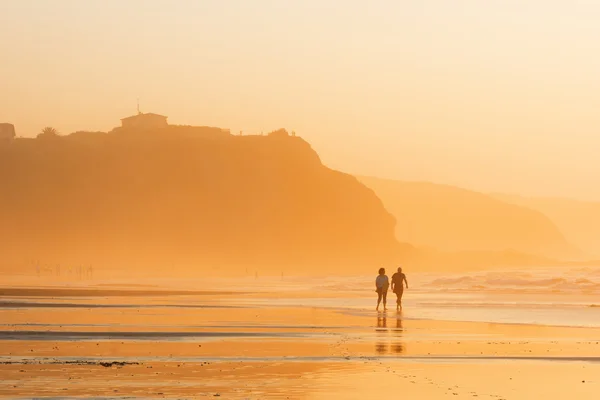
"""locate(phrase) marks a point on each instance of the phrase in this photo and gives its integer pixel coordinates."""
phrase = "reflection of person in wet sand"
(399, 323)
(398, 348)
(381, 347)
(397, 286)
(382, 284)
(385, 347)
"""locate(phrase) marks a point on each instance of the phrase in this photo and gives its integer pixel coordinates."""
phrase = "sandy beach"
(308, 341)
(209, 199)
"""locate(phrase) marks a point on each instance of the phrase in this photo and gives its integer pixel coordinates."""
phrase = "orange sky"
(498, 95)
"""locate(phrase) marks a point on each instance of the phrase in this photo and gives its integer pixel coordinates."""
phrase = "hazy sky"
(495, 95)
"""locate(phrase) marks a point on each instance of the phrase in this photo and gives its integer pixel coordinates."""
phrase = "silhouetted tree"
(48, 132)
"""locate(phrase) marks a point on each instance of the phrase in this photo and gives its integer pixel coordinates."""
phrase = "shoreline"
(250, 345)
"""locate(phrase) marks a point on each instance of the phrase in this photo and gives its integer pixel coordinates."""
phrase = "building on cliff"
(7, 132)
(145, 121)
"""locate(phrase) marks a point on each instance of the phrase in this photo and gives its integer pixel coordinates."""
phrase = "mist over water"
(554, 297)
(543, 296)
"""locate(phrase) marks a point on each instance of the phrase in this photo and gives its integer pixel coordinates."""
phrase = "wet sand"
(98, 292)
(246, 345)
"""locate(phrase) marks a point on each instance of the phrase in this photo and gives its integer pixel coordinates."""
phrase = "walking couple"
(382, 284)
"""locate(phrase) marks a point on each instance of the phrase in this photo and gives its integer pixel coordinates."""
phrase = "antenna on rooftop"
(138, 106)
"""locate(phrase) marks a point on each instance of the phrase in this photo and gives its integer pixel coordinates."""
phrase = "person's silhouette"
(397, 286)
(382, 284)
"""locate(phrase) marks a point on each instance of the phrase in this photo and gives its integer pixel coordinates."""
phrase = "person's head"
(400, 269)
(381, 271)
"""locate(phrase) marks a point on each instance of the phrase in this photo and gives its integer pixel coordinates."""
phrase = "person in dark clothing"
(397, 286)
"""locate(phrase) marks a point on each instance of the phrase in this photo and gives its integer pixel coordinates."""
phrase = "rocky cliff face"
(453, 219)
(187, 196)
(578, 220)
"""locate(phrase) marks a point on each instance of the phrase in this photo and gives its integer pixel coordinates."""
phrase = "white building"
(7, 131)
(145, 121)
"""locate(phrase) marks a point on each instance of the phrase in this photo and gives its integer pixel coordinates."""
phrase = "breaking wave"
(552, 281)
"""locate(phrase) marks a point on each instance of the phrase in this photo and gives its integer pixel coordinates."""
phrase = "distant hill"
(458, 220)
(578, 220)
(186, 196)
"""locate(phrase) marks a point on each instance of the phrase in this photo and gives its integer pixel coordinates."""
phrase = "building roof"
(143, 115)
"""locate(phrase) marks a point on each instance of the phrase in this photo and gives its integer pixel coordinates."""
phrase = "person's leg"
(379, 296)
(384, 300)
(399, 294)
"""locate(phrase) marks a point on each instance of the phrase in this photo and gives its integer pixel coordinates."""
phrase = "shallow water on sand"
(560, 297)
(300, 338)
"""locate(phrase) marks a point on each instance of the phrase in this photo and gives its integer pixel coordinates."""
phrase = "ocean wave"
(576, 281)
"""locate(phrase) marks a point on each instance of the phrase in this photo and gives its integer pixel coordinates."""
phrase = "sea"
(539, 296)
